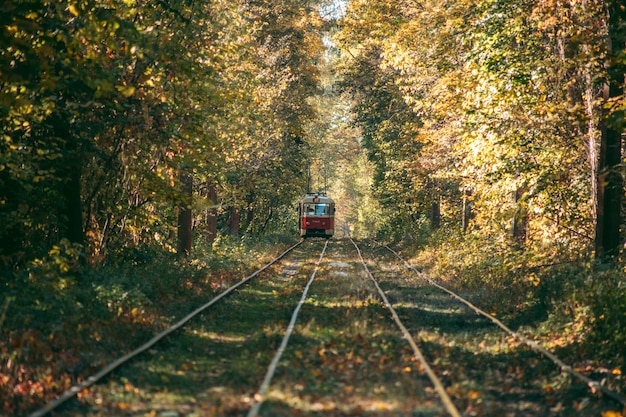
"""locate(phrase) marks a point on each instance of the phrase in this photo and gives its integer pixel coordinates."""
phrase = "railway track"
(332, 328)
(528, 380)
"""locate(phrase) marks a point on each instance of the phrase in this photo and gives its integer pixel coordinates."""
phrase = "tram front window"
(317, 209)
(320, 209)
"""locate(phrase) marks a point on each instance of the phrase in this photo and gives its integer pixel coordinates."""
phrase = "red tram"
(316, 212)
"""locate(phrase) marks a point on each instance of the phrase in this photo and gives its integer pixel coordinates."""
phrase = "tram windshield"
(317, 209)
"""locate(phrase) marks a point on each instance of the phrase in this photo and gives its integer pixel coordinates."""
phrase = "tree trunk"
(234, 221)
(610, 185)
(71, 209)
(211, 215)
(520, 219)
(467, 210)
(73, 204)
(185, 224)
(435, 214)
(593, 142)
(249, 211)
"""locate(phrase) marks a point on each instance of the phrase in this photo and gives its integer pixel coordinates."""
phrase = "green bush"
(607, 300)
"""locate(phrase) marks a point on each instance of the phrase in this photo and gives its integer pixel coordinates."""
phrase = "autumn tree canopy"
(514, 106)
(107, 106)
(118, 116)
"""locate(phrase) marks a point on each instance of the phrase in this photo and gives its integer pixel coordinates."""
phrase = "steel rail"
(73, 391)
(591, 384)
(259, 397)
(441, 391)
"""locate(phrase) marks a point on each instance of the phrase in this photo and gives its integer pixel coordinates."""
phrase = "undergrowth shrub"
(491, 273)
(33, 345)
(501, 278)
(607, 300)
(63, 319)
(556, 289)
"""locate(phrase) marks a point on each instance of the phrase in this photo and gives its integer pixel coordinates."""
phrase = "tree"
(185, 219)
(610, 189)
(107, 107)
(504, 96)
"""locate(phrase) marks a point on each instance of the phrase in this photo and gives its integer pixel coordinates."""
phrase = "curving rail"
(72, 392)
(441, 391)
(591, 384)
(259, 397)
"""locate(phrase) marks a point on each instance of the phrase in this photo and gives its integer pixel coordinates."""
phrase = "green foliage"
(72, 318)
(387, 126)
(607, 299)
(479, 98)
(56, 270)
(104, 104)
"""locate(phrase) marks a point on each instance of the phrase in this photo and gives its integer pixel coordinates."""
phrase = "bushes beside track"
(557, 294)
(62, 320)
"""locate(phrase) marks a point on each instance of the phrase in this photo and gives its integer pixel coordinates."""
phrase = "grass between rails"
(343, 359)
(347, 358)
(215, 364)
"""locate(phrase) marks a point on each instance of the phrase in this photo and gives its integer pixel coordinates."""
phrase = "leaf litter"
(346, 358)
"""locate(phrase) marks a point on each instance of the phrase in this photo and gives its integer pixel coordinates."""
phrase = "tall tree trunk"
(234, 221)
(73, 204)
(520, 219)
(185, 224)
(249, 211)
(71, 209)
(211, 215)
(467, 210)
(610, 191)
(435, 214)
(593, 142)
(610, 185)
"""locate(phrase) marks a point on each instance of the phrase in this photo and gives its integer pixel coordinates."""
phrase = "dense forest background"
(485, 134)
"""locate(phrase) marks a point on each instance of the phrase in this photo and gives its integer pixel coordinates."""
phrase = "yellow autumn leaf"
(73, 10)
(473, 395)
(611, 414)
(126, 90)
